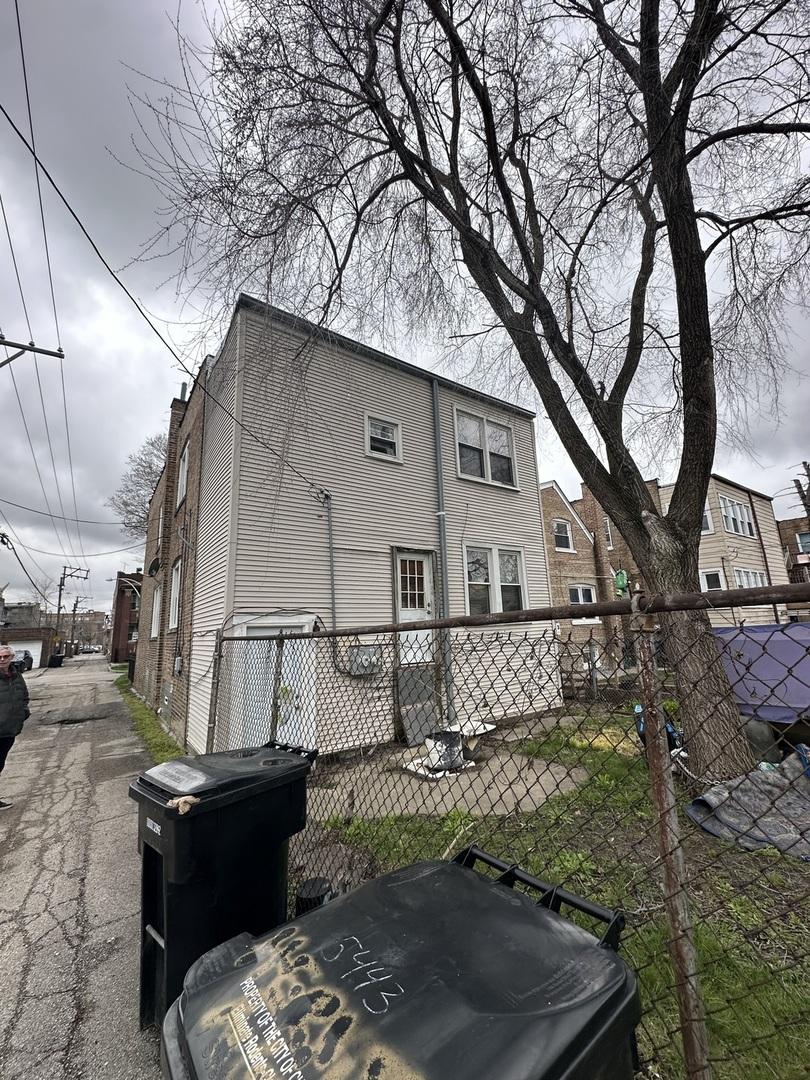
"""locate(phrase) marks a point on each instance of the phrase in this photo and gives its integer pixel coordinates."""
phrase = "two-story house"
(337, 486)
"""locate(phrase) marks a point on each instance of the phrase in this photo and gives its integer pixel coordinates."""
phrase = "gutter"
(441, 515)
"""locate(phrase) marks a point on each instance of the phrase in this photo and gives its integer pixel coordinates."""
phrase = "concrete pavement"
(69, 886)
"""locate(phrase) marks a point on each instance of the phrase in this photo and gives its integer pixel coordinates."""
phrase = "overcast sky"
(119, 378)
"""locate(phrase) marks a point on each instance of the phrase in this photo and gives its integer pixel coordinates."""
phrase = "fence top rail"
(639, 604)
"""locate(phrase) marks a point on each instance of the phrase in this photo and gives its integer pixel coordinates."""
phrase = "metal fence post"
(681, 931)
(212, 708)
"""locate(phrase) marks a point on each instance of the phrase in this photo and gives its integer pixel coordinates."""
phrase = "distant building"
(126, 610)
(795, 536)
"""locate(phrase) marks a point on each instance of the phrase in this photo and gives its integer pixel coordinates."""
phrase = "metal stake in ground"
(681, 932)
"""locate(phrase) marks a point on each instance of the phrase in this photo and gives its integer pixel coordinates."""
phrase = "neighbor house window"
(583, 594)
(562, 536)
(157, 601)
(382, 438)
(174, 596)
(710, 580)
(182, 475)
(707, 526)
(160, 527)
(750, 579)
(494, 580)
(737, 517)
(608, 534)
(803, 542)
(485, 449)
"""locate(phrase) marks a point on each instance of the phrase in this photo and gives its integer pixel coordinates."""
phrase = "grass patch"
(159, 744)
(119, 667)
(600, 840)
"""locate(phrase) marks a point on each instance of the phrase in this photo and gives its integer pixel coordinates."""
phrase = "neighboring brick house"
(162, 664)
(794, 534)
(126, 609)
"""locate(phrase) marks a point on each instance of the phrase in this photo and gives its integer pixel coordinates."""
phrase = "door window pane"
(411, 584)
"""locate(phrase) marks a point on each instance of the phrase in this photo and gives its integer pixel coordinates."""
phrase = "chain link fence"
(650, 762)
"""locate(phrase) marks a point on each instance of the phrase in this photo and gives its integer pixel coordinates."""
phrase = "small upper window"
(711, 580)
(608, 534)
(382, 438)
(562, 536)
(737, 517)
(707, 526)
(157, 601)
(182, 475)
(485, 449)
(803, 542)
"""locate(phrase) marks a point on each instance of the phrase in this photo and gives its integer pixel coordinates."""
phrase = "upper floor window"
(160, 527)
(182, 475)
(608, 534)
(174, 596)
(707, 526)
(485, 449)
(710, 580)
(750, 579)
(494, 580)
(737, 517)
(157, 602)
(803, 542)
(562, 536)
(383, 438)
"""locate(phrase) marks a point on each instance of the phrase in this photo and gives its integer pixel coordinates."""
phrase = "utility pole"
(73, 621)
(804, 489)
(67, 572)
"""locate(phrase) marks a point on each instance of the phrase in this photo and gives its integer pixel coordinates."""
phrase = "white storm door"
(415, 604)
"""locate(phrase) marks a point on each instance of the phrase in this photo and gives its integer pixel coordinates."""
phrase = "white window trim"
(495, 581)
(593, 619)
(157, 604)
(799, 549)
(563, 521)
(397, 458)
(740, 570)
(160, 528)
(182, 476)
(710, 530)
(746, 515)
(174, 594)
(485, 479)
(609, 531)
(712, 570)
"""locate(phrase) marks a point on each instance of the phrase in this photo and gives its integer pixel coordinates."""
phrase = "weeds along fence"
(638, 753)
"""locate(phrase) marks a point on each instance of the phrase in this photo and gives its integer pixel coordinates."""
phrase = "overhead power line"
(6, 542)
(313, 487)
(77, 520)
(16, 271)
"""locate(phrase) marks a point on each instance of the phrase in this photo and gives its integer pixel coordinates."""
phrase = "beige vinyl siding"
(721, 550)
(212, 564)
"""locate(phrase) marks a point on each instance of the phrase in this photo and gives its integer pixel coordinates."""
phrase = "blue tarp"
(768, 668)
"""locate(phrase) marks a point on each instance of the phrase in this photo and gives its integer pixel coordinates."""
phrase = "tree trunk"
(714, 736)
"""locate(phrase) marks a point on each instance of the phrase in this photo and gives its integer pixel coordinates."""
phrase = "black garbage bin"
(213, 834)
(55, 660)
(434, 971)
(131, 668)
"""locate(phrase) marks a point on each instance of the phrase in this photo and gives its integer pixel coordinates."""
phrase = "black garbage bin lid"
(222, 776)
(430, 972)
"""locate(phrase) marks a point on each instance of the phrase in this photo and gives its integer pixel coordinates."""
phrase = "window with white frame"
(583, 594)
(383, 438)
(563, 540)
(750, 579)
(608, 534)
(494, 579)
(182, 475)
(174, 596)
(485, 449)
(157, 603)
(160, 527)
(707, 525)
(737, 517)
(803, 542)
(711, 580)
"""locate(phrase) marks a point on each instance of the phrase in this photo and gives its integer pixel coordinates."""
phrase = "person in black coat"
(14, 709)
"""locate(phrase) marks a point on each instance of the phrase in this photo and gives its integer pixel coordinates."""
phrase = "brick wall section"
(567, 568)
(125, 617)
(161, 670)
(788, 530)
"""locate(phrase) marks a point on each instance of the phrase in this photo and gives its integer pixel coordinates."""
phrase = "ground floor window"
(495, 579)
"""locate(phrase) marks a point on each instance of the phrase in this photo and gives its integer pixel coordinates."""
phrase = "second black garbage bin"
(213, 834)
(433, 972)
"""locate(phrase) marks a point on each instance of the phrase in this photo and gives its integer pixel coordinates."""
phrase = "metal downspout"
(444, 635)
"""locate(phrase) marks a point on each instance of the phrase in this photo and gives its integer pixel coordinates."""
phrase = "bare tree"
(613, 190)
(131, 499)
